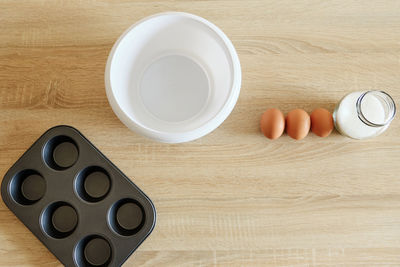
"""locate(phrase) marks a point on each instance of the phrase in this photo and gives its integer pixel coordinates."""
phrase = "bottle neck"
(375, 108)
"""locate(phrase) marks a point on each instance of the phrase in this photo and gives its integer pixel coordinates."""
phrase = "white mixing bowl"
(173, 77)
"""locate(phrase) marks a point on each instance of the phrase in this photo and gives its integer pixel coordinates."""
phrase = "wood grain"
(232, 198)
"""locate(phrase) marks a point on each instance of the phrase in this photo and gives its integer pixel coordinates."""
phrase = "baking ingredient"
(375, 106)
(272, 123)
(321, 122)
(297, 124)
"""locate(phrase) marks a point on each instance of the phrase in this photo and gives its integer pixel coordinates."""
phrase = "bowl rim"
(178, 137)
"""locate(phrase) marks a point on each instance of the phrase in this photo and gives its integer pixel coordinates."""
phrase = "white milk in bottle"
(363, 115)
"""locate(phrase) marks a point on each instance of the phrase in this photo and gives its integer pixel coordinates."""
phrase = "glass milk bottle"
(361, 115)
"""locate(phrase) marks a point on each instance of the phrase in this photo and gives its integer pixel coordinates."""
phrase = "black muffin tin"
(79, 204)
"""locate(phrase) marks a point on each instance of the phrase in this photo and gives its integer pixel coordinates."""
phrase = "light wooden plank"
(232, 198)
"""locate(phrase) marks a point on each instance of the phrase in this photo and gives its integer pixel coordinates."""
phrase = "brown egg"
(297, 124)
(321, 122)
(272, 123)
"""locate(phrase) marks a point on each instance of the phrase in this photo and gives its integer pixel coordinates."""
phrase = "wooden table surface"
(231, 198)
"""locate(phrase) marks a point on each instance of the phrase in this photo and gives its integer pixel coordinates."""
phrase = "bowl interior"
(171, 73)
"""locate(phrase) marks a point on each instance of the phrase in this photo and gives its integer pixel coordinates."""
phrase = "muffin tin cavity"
(126, 217)
(59, 220)
(77, 202)
(60, 152)
(93, 184)
(93, 250)
(27, 187)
